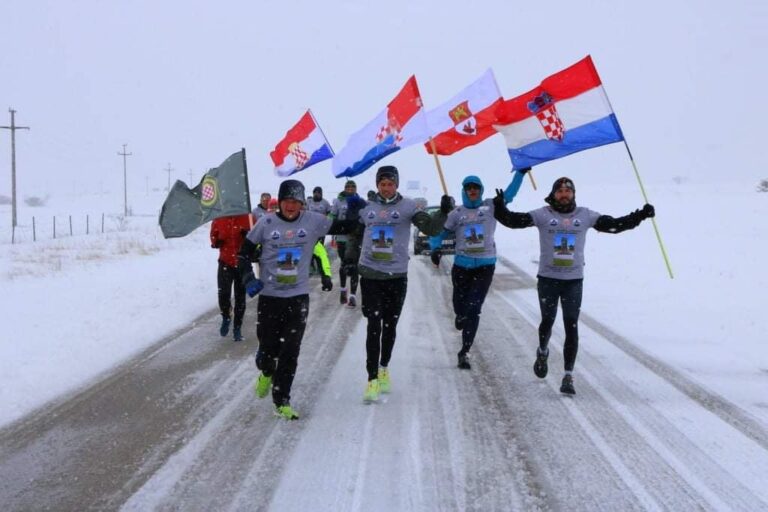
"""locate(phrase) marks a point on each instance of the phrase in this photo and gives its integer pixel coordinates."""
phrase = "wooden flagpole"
(439, 168)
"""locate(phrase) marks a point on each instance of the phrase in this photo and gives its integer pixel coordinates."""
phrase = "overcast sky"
(188, 83)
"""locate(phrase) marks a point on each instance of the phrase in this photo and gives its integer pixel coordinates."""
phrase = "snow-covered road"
(180, 429)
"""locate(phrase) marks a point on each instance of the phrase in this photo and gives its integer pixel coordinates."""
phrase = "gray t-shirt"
(474, 228)
(322, 206)
(286, 251)
(387, 233)
(258, 213)
(339, 211)
(562, 237)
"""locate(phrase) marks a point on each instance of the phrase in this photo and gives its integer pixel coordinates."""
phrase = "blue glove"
(355, 202)
(523, 170)
(253, 287)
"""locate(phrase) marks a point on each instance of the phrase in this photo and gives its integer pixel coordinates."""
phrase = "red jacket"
(227, 234)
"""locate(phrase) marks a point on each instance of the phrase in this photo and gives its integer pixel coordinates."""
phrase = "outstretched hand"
(327, 283)
(446, 204)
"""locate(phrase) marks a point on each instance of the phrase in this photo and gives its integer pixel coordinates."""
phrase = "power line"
(13, 129)
(125, 181)
(169, 170)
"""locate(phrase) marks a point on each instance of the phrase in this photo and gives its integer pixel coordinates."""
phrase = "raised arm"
(608, 224)
(514, 220)
(432, 225)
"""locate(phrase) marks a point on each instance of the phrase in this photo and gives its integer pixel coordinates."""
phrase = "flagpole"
(321, 131)
(642, 190)
(247, 190)
(437, 163)
(533, 182)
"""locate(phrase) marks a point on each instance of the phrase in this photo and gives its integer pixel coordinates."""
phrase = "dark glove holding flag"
(327, 283)
(446, 204)
(648, 211)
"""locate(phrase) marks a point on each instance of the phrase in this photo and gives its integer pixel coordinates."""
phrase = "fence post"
(70, 225)
(86, 225)
(13, 234)
(34, 231)
(54, 227)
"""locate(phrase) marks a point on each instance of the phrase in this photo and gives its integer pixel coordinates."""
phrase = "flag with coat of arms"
(401, 124)
(467, 118)
(303, 146)
(568, 112)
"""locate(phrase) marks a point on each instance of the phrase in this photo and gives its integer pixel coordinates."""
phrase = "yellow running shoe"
(371, 391)
(287, 412)
(384, 380)
(262, 385)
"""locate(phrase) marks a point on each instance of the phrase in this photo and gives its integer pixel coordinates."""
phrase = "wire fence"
(61, 226)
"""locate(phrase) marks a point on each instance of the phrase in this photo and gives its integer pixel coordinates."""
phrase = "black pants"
(569, 293)
(346, 268)
(470, 286)
(382, 303)
(280, 328)
(228, 277)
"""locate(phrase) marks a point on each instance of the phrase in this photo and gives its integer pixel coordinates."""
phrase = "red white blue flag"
(568, 112)
(401, 124)
(304, 145)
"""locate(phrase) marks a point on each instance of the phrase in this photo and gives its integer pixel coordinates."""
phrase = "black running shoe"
(567, 385)
(540, 367)
(464, 362)
(459, 322)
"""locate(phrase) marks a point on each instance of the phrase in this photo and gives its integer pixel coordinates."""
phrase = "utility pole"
(169, 170)
(13, 129)
(125, 181)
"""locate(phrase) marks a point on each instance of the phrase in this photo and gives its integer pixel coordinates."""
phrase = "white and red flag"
(467, 118)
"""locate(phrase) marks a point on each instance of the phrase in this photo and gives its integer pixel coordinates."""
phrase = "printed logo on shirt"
(288, 259)
(480, 215)
(371, 215)
(289, 234)
(474, 238)
(395, 214)
(382, 242)
(301, 233)
(564, 246)
(275, 235)
(553, 222)
(576, 222)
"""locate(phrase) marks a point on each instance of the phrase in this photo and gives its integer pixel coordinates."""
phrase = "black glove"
(648, 211)
(435, 256)
(446, 204)
(217, 244)
(498, 201)
(523, 170)
(327, 283)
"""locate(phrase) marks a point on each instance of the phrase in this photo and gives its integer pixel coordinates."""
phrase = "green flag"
(222, 192)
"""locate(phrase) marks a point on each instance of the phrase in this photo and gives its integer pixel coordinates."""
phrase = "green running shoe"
(371, 391)
(287, 412)
(383, 379)
(262, 385)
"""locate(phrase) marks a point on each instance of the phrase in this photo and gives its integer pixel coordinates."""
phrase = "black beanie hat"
(350, 183)
(388, 172)
(317, 189)
(291, 189)
(558, 184)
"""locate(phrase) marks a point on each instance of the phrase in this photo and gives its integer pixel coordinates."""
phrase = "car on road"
(421, 240)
